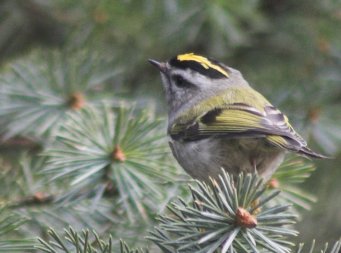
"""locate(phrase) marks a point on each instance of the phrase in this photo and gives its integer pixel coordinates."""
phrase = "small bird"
(216, 120)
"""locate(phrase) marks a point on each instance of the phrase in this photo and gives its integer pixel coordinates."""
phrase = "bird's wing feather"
(240, 120)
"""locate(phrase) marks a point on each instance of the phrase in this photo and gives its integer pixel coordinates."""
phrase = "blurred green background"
(288, 50)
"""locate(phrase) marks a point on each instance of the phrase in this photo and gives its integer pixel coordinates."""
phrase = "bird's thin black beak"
(160, 65)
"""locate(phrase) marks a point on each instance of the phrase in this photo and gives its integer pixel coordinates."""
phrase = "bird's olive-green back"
(234, 95)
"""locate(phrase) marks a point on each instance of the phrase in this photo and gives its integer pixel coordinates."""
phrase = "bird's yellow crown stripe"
(206, 63)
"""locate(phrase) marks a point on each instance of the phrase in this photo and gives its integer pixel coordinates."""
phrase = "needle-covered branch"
(81, 242)
(9, 222)
(38, 92)
(226, 216)
(292, 172)
(118, 152)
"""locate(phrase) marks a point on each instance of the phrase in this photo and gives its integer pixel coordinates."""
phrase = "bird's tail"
(312, 154)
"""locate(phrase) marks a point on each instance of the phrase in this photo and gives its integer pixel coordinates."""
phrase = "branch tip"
(42, 197)
(118, 154)
(314, 114)
(76, 101)
(273, 183)
(245, 219)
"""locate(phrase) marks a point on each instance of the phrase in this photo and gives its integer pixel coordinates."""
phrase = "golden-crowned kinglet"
(216, 120)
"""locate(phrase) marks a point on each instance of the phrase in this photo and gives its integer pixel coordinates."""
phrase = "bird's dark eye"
(181, 82)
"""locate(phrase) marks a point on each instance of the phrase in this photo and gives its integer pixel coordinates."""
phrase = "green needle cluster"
(226, 216)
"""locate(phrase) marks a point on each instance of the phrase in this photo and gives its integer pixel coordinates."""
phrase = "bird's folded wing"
(241, 120)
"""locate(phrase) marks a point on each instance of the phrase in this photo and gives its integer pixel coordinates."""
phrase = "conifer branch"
(38, 92)
(122, 153)
(9, 222)
(81, 242)
(226, 216)
(107, 165)
(292, 172)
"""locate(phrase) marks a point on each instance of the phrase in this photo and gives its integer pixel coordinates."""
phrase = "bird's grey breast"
(206, 157)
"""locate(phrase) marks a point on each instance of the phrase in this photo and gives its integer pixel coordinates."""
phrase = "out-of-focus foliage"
(39, 91)
(326, 249)
(289, 50)
(121, 154)
(292, 172)
(24, 24)
(9, 222)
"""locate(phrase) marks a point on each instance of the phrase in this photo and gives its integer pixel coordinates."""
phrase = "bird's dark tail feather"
(311, 154)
